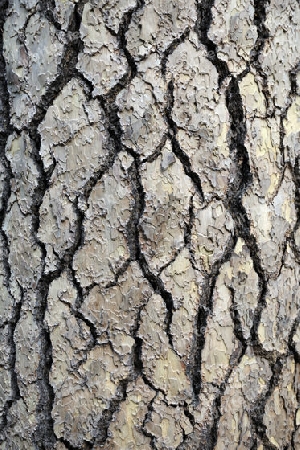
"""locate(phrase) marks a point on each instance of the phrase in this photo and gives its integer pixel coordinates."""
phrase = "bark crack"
(45, 437)
(181, 155)
(234, 195)
(5, 130)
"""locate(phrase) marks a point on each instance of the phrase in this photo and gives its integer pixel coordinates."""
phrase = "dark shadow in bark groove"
(168, 52)
(205, 309)
(263, 34)
(15, 391)
(47, 8)
(242, 179)
(147, 418)
(204, 19)
(179, 153)
(5, 130)
(154, 281)
(108, 414)
(257, 412)
(86, 445)
(44, 436)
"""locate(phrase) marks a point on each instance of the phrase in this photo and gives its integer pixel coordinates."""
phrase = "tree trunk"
(150, 248)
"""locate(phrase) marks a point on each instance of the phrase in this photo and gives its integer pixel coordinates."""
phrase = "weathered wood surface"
(150, 239)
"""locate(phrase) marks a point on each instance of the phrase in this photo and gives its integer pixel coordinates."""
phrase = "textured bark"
(150, 212)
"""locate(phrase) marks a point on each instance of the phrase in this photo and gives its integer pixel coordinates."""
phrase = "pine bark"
(150, 240)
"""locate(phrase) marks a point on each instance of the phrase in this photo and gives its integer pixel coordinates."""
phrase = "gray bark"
(150, 243)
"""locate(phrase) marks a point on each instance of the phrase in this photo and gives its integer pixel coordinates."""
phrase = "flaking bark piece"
(125, 430)
(266, 162)
(184, 284)
(32, 61)
(281, 407)
(6, 392)
(70, 113)
(253, 99)
(104, 249)
(141, 117)
(114, 311)
(282, 306)
(167, 197)
(291, 124)
(113, 11)
(70, 337)
(63, 12)
(200, 114)
(296, 340)
(25, 256)
(221, 346)
(101, 62)
(8, 297)
(234, 32)
(84, 377)
(27, 338)
(154, 27)
(211, 234)
(25, 172)
(281, 51)
(85, 395)
(19, 429)
(247, 383)
(161, 365)
(272, 221)
(243, 282)
(168, 424)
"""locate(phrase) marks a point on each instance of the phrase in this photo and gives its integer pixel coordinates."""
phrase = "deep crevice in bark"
(263, 34)
(15, 391)
(5, 130)
(147, 418)
(44, 435)
(204, 311)
(47, 8)
(168, 52)
(69, 446)
(108, 414)
(179, 153)
(204, 20)
(242, 176)
(154, 280)
(258, 410)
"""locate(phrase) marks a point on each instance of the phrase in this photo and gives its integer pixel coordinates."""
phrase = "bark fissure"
(45, 437)
(238, 185)
(154, 280)
(184, 159)
(5, 131)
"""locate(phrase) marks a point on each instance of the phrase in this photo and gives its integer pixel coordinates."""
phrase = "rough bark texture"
(150, 211)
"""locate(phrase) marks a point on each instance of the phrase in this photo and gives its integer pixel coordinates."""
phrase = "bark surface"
(150, 212)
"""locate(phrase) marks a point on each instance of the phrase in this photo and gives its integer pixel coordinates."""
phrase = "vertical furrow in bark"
(181, 155)
(154, 281)
(5, 131)
(263, 34)
(238, 185)
(107, 100)
(259, 409)
(44, 436)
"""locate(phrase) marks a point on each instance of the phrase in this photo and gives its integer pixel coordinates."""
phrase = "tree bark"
(150, 243)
